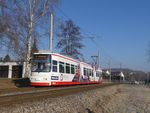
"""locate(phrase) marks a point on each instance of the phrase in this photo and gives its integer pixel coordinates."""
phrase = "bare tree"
(22, 21)
(7, 58)
(34, 48)
(70, 40)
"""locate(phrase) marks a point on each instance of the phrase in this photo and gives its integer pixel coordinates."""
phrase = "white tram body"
(52, 69)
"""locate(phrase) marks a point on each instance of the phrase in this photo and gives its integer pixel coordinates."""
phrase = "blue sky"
(121, 28)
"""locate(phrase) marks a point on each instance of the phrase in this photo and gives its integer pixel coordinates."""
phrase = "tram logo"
(54, 77)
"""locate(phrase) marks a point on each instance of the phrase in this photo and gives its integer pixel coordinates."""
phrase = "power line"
(83, 30)
(92, 36)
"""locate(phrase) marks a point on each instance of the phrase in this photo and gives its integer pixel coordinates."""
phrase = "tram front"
(41, 68)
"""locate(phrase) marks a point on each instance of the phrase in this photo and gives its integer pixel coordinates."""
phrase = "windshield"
(40, 67)
(41, 63)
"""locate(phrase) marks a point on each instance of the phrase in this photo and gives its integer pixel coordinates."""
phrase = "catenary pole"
(110, 69)
(51, 33)
(98, 60)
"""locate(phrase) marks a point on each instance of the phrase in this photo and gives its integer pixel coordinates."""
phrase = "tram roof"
(57, 54)
(68, 57)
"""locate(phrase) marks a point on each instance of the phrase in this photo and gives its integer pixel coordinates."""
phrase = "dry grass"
(6, 83)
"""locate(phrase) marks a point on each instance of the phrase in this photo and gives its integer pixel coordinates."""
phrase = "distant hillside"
(132, 75)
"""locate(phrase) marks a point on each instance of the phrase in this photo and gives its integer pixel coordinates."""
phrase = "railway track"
(11, 99)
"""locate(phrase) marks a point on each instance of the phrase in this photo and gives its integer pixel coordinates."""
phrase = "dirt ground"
(6, 83)
(114, 99)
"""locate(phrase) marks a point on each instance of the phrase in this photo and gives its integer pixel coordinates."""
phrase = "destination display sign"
(39, 57)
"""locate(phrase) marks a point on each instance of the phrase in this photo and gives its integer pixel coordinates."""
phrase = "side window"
(54, 66)
(90, 73)
(61, 67)
(67, 68)
(76, 68)
(97, 74)
(85, 72)
(72, 69)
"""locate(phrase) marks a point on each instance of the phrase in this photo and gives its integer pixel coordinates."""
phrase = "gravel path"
(115, 99)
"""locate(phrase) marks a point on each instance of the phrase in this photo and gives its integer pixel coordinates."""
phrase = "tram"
(53, 69)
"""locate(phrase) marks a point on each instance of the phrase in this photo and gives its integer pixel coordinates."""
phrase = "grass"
(7, 83)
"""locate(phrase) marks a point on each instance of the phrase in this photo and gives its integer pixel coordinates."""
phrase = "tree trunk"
(28, 58)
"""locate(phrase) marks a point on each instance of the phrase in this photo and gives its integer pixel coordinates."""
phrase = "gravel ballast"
(114, 99)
